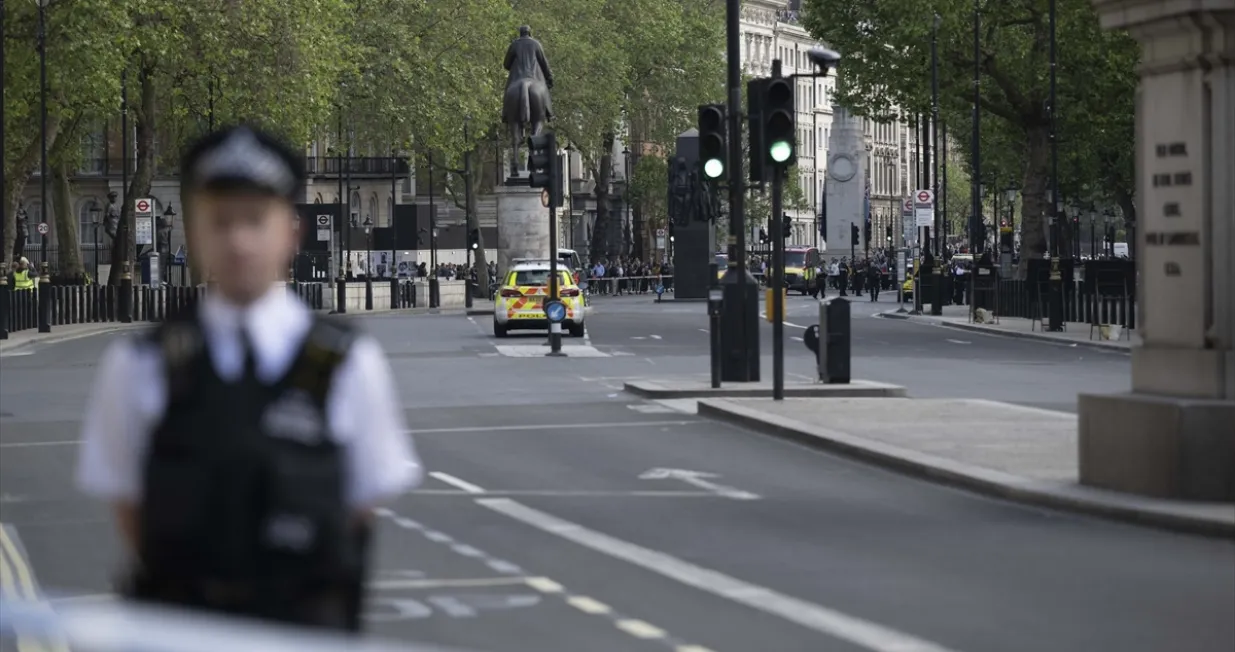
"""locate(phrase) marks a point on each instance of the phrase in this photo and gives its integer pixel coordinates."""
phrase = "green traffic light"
(781, 151)
(713, 168)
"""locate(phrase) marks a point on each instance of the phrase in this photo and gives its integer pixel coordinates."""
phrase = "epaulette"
(326, 347)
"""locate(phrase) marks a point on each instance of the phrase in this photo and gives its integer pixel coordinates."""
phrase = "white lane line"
(457, 482)
(467, 551)
(796, 338)
(399, 585)
(438, 537)
(655, 337)
(561, 493)
(704, 330)
(640, 629)
(540, 426)
(959, 342)
(503, 566)
(588, 605)
(851, 629)
(40, 444)
(544, 585)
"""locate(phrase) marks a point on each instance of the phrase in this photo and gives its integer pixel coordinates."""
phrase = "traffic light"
(473, 239)
(763, 235)
(866, 230)
(544, 167)
(754, 127)
(787, 229)
(779, 130)
(712, 141)
(888, 234)
(853, 233)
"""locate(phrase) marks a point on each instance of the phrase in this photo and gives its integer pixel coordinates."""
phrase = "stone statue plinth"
(1173, 435)
(522, 225)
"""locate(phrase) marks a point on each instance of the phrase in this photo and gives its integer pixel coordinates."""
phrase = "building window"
(355, 207)
(35, 214)
(372, 214)
(85, 220)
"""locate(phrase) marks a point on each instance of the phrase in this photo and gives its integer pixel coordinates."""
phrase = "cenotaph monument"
(846, 185)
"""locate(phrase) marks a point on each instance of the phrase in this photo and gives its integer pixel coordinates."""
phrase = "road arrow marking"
(699, 480)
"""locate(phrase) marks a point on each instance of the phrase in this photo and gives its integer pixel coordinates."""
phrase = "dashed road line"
(456, 482)
(634, 627)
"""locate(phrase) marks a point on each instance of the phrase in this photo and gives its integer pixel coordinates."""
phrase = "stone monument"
(846, 187)
(522, 217)
(1173, 435)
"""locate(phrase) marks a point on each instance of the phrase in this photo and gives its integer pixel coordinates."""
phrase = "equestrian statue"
(526, 106)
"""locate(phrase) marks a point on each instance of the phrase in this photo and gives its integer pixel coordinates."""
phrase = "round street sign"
(43, 228)
(925, 196)
(323, 220)
(660, 233)
(909, 204)
(544, 198)
(143, 206)
(555, 311)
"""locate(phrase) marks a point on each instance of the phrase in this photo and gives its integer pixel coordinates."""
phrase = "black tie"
(250, 358)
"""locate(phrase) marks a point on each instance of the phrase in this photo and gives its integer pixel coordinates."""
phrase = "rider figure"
(525, 59)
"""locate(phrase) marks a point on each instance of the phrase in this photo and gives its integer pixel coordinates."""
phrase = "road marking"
(697, 479)
(543, 426)
(503, 566)
(467, 551)
(690, 648)
(562, 493)
(651, 409)
(17, 583)
(795, 338)
(457, 482)
(39, 444)
(640, 629)
(704, 330)
(637, 337)
(656, 337)
(538, 351)
(588, 605)
(863, 633)
(438, 537)
(544, 585)
(959, 342)
(399, 585)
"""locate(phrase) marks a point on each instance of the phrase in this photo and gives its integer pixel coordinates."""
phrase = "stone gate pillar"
(1173, 436)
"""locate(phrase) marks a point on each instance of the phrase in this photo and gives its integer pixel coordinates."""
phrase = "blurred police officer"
(244, 443)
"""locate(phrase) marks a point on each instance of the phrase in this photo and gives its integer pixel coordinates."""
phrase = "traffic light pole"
(740, 362)
(555, 328)
(777, 286)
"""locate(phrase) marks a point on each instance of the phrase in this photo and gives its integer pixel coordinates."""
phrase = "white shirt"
(362, 408)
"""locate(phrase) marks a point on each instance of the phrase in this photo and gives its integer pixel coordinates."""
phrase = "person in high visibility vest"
(21, 275)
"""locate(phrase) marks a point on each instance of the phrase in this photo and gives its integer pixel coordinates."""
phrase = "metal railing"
(126, 627)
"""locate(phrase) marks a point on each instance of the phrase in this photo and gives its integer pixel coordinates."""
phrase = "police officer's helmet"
(243, 159)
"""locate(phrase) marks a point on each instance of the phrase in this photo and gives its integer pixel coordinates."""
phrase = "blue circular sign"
(660, 289)
(555, 311)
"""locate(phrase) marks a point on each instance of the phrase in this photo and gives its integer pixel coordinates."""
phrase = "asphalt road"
(537, 531)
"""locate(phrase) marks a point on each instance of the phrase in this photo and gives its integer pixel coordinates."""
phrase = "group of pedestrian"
(618, 276)
(869, 275)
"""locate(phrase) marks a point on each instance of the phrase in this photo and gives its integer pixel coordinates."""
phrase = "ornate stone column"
(1174, 435)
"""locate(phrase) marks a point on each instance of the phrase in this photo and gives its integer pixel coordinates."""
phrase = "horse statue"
(526, 105)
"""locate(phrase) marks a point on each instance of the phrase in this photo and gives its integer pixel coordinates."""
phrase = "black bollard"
(368, 291)
(340, 286)
(126, 293)
(5, 297)
(44, 299)
(834, 349)
(395, 302)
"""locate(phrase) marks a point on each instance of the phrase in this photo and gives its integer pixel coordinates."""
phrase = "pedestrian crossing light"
(473, 239)
(712, 140)
(779, 129)
(544, 169)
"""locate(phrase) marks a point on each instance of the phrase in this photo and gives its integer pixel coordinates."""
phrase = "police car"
(519, 304)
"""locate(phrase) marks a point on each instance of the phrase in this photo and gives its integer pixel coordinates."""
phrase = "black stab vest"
(243, 509)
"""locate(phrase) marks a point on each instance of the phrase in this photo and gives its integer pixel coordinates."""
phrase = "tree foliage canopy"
(886, 69)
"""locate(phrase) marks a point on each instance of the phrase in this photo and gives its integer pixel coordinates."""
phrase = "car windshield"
(536, 277)
(795, 258)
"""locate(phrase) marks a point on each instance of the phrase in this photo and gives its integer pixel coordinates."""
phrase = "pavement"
(1074, 333)
(563, 514)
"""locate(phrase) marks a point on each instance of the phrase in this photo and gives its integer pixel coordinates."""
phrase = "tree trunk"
(68, 239)
(1035, 206)
(123, 246)
(602, 245)
(16, 179)
(1126, 205)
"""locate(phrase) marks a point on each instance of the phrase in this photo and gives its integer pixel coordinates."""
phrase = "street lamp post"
(95, 213)
(570, 197)
(1093, 232)
(469, 214)
(1055, 309)
(931, 149)
(169, 223)
(44, 278)
(433, 283)
(368, 267)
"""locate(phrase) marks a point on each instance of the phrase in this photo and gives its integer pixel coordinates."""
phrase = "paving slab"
(1013, 452)
(694, 388)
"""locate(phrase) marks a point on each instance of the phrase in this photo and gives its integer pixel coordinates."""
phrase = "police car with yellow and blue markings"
(519, 304)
